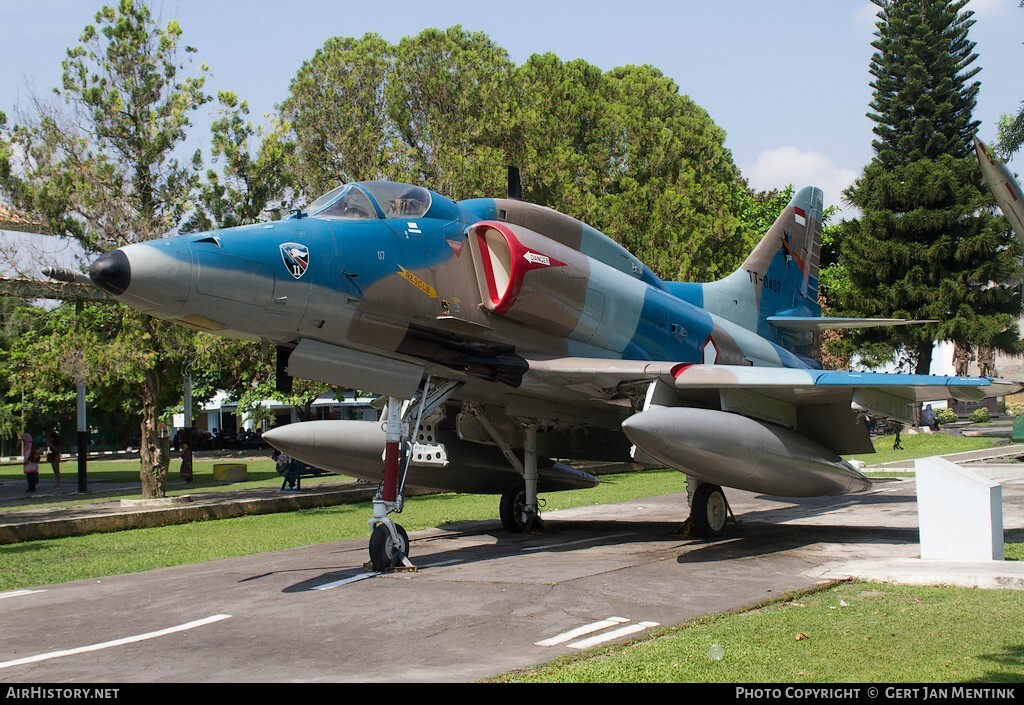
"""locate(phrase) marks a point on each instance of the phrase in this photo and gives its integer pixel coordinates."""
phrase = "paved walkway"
(54, 515)
(47, 515)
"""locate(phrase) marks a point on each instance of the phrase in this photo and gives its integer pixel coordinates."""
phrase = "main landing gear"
(519, 510)
(515, 516)
(709, 510)
(512, 508)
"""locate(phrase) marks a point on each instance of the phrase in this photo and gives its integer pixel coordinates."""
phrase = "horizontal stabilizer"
(825, 323)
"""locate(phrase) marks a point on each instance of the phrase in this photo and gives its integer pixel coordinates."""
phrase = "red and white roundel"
(710, 351)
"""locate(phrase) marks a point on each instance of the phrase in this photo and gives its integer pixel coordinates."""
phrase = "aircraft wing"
(821, 323)
(880, 393)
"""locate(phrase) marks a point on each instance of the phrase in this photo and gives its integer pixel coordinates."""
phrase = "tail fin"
(778, 282)
(782, 271)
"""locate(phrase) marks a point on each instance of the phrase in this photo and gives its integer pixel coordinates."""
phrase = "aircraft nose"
(112, 272)
(153, 277)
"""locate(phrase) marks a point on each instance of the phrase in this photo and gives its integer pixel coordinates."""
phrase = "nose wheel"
(388, 549)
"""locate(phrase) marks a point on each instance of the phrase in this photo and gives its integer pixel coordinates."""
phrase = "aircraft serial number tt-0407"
(505, 334)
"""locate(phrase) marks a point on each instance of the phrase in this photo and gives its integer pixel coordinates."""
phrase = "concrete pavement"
(48, 515)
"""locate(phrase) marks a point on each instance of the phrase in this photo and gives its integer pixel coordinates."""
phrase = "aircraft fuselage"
(457, 286)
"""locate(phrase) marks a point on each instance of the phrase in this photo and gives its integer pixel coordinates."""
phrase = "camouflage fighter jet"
(510, 340)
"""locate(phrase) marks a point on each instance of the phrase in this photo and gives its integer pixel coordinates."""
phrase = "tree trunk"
(153, 472)
(924, 358)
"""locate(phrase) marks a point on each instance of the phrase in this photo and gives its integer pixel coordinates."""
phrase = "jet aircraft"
(510, 339)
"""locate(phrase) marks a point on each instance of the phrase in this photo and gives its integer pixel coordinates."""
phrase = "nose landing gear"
(389, 546)
(389, 542)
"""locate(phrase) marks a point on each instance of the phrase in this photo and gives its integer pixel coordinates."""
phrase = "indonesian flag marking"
(800, 215)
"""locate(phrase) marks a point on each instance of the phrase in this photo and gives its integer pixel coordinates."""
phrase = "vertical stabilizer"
(778, 278)
(784, 266)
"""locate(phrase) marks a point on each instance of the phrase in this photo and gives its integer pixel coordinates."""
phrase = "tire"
(709, 511)
(384, 552)
(511, 508)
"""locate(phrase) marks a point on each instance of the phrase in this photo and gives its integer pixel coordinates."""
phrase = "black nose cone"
(112, 272)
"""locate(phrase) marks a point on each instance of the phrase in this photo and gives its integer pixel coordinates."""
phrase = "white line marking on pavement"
(574, 543)
(19, 593)
(580, 631)
(346, 581)
(615, 634)
(115, 642)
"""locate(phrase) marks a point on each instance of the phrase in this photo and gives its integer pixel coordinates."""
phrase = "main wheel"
(708, 511)
(513, 501)
(384, 551)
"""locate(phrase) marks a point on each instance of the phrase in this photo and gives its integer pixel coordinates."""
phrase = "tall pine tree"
(928, 244)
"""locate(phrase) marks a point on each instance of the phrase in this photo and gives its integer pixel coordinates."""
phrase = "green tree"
(674, 190)
(1011, 130)
(927, 244)
(102, 170)
(337, 115)
(562, 135)
(622, 150)
(450, 102)
(253, 171)
(625, 152)
(1011, 134)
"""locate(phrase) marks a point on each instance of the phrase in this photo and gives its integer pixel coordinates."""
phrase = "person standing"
(30, 460)
(53, 452)
(186, 462)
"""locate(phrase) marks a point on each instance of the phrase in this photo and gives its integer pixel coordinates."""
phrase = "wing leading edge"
(773, 394)
(781, 380)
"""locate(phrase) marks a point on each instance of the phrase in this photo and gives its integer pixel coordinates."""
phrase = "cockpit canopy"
(367, 200)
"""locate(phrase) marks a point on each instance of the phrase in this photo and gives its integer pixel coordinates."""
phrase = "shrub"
(946, 416)
(979, 416)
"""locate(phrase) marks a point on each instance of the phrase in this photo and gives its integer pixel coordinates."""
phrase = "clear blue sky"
(787, 79)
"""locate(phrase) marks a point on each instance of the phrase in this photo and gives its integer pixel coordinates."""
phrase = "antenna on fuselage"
(515, 186)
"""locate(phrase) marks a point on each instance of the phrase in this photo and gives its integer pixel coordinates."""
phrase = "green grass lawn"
(849, 633)
(921, 445)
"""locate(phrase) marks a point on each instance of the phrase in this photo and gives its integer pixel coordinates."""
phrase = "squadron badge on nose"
(296, 258)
